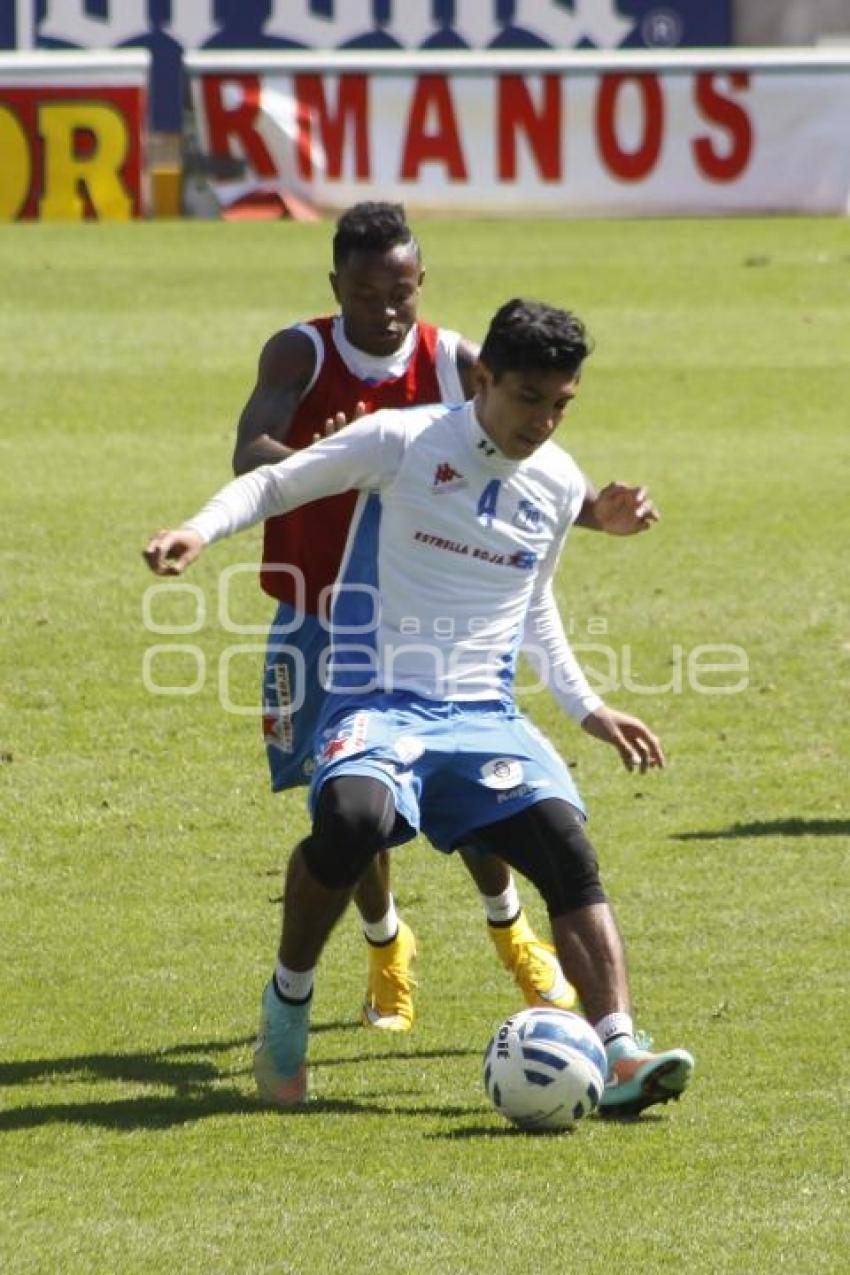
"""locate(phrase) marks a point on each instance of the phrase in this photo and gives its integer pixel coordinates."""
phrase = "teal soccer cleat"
(638, 1079)
(279, 1067)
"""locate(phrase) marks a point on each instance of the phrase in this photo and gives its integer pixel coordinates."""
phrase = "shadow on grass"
(162, 1067)
(130, 1115)
(168, 1067)
(401, 1056)
(772, 828)
(201, 1088)
(645, 1119)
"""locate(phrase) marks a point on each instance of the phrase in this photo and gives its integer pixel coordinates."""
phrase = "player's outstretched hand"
(638, 747)
(622, 510)
(339, 421)
(169, 553)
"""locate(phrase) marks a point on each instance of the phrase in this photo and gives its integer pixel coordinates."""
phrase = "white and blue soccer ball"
(544, 1069)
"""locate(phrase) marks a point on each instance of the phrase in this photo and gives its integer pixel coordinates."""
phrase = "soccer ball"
(544, 1069)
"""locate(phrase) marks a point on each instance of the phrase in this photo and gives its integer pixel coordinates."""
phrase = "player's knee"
(547, 843)
(559, 856)
(575, 881)
(354, 819)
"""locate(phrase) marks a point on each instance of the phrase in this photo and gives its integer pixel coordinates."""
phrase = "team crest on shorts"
(502, 772)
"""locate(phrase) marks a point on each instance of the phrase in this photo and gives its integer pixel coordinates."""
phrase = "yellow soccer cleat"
(533, 964)
(389, 994)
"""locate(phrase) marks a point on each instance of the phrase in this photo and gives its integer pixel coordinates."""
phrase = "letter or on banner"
(71, 149)
(540, 132)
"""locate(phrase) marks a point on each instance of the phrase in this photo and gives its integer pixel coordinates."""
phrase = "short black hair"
(532, 336)
(371, 227)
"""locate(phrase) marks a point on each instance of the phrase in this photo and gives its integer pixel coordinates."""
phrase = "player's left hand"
(339, 421)
(621, 510)
(169, 553)
(638, 747)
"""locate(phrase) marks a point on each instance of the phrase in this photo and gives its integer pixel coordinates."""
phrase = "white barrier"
(546, 132)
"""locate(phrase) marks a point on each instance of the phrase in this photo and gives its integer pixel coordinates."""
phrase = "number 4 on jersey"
(487, 502)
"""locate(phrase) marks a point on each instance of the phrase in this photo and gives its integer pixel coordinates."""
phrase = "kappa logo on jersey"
(528, 516)
(350, 739)
(447, 478)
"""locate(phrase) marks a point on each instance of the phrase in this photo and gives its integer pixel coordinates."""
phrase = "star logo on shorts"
(334, 747)
(350, 738)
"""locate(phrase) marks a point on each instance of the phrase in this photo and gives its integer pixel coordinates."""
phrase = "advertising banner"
(170, 28)
(71, 130)
(564, 134)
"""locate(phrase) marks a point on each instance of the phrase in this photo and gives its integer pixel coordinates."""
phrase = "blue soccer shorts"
(451, 766)
(293, 697)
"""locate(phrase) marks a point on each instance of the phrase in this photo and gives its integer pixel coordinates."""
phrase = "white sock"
(615, 1028)
(504, 907)
(293, 985)
(385, 930)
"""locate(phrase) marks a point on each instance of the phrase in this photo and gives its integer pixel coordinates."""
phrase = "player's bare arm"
(467, 357)
(287, 362)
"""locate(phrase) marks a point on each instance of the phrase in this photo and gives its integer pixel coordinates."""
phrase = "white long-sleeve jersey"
(450, 555)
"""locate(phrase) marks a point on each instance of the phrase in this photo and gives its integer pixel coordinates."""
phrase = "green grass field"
(140, 847)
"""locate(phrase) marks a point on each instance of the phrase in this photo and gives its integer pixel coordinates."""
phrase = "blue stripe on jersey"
(508, 662)
(355, 615)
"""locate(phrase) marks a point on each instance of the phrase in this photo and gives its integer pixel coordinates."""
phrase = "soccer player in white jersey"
(421, 730)
(316, 376)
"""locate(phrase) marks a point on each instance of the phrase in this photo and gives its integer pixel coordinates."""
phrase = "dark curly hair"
(371, 227)
(532, 336)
